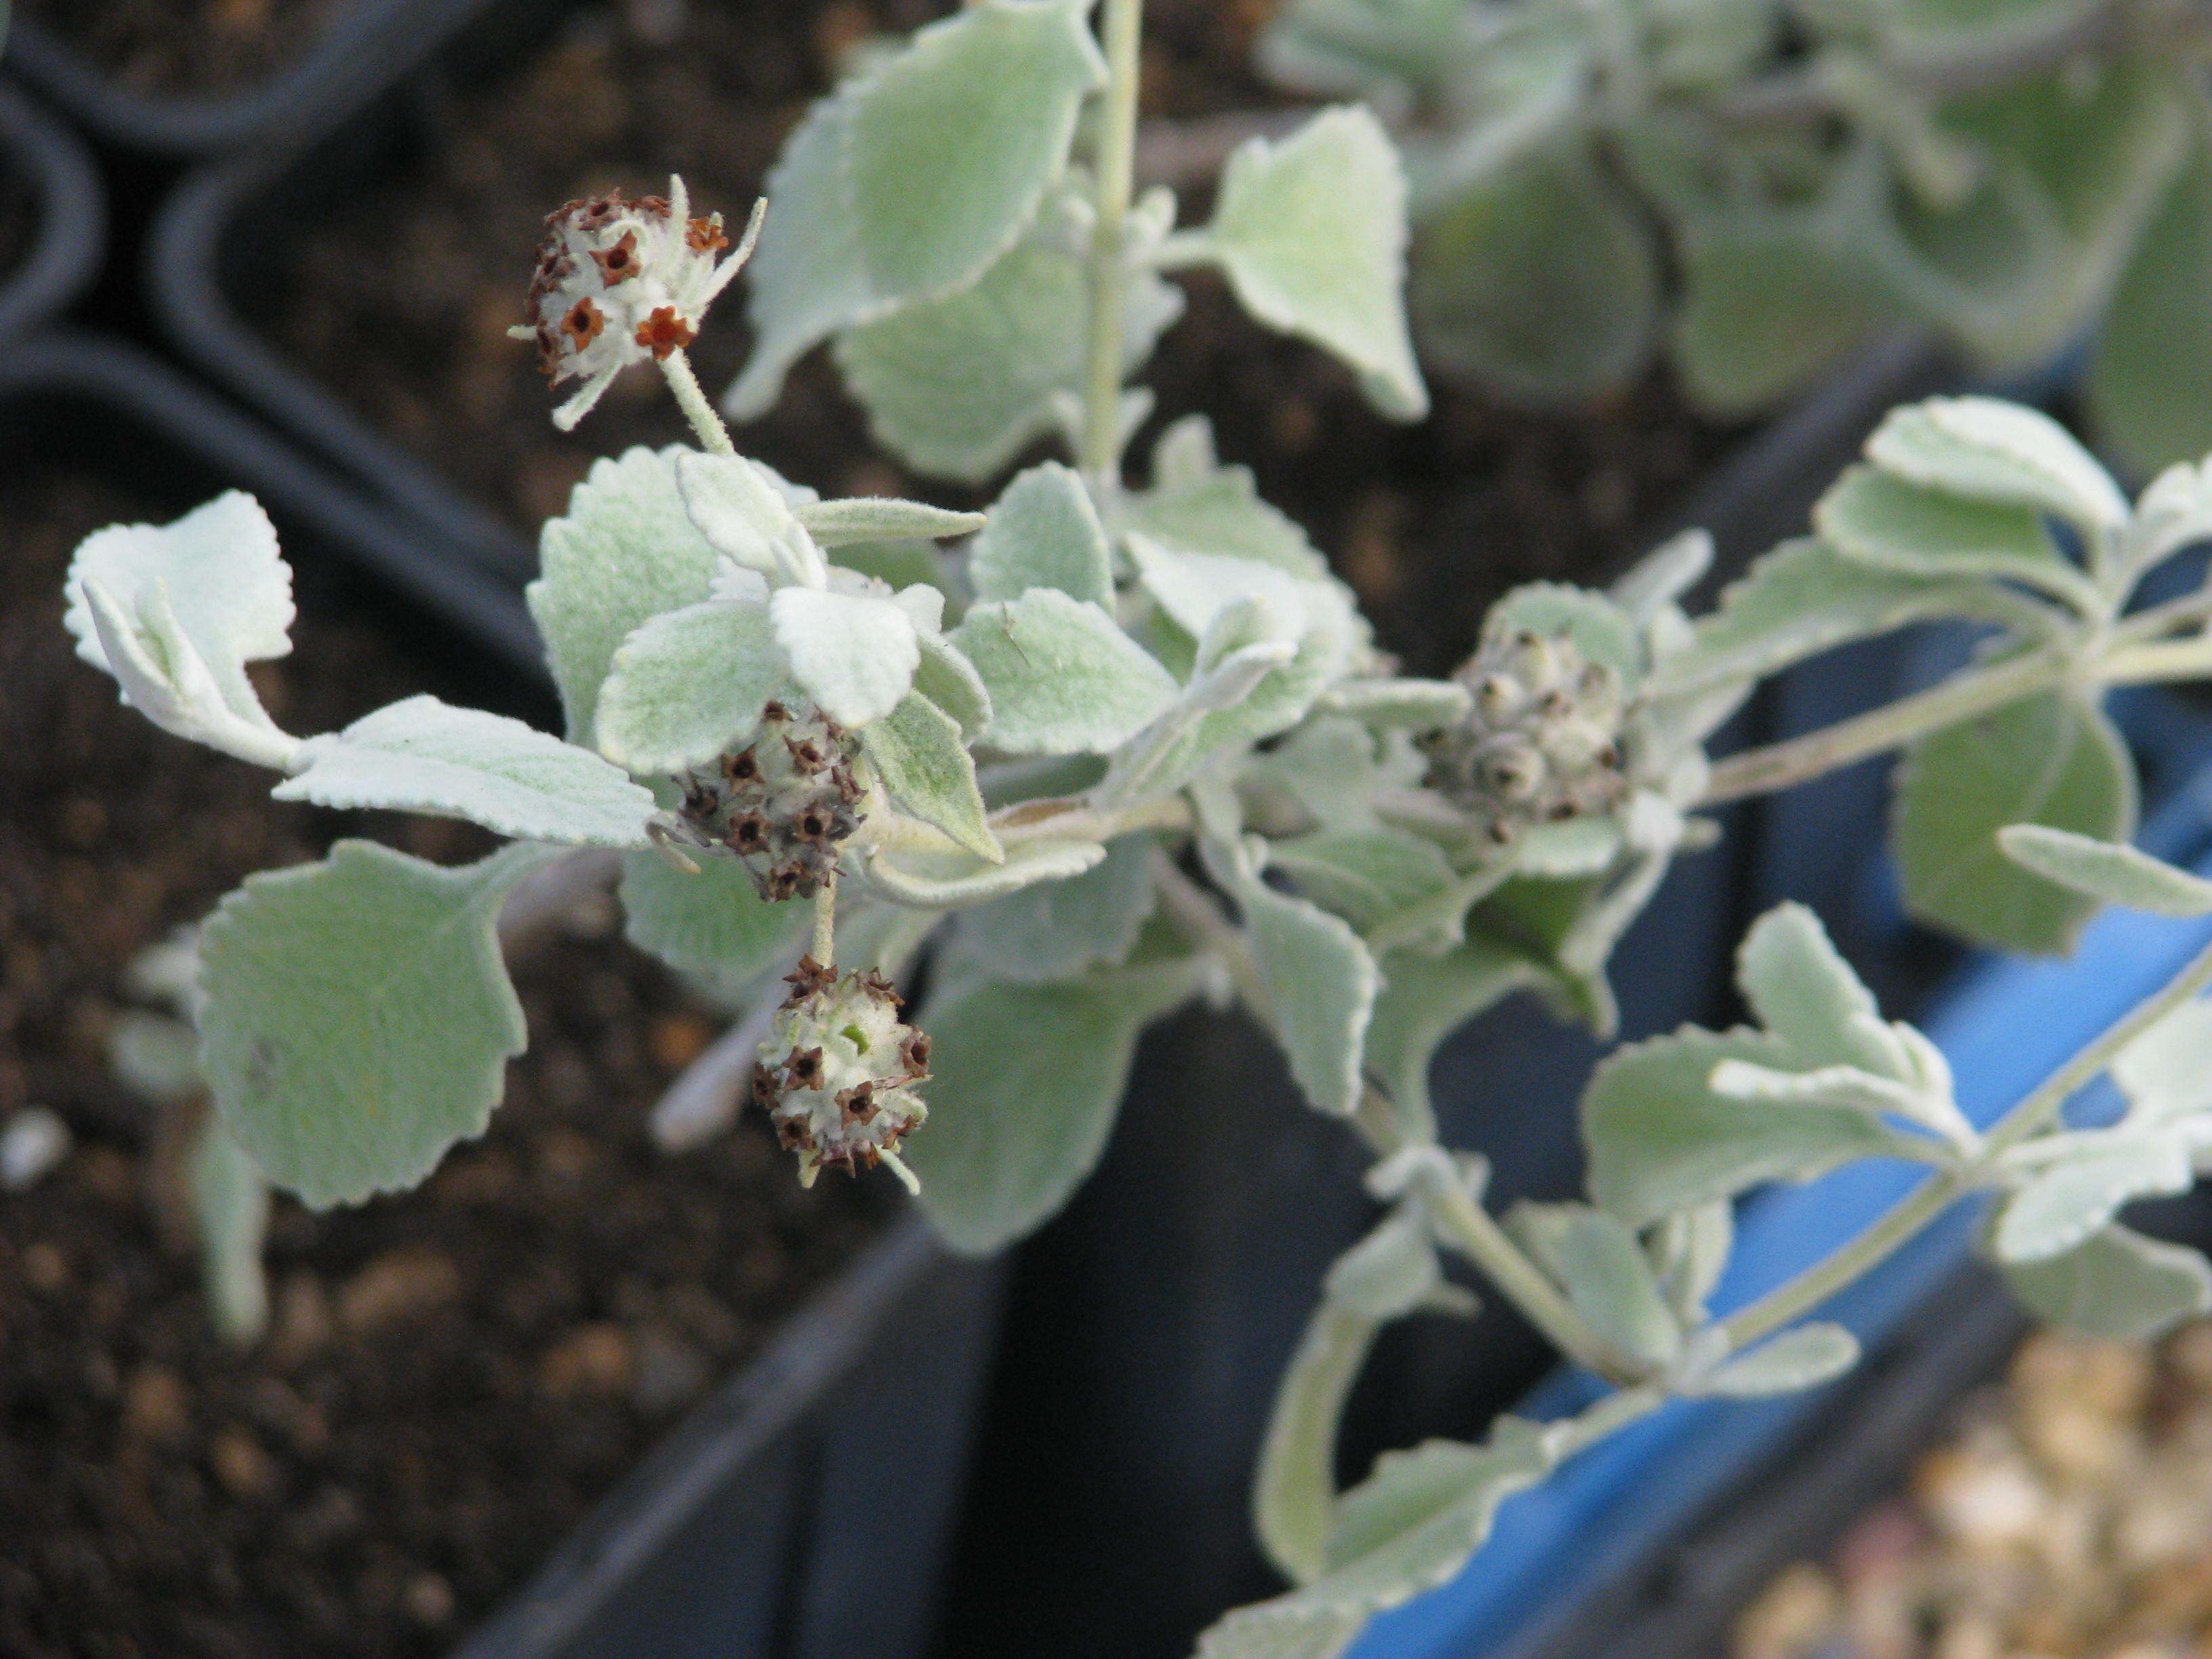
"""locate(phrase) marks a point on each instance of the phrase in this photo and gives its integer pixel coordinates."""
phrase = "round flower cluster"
(838, 1069)
(1543, 740)
(621, 281)
(783, 803)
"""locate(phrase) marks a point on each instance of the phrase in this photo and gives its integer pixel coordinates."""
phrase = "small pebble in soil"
(32, 1146)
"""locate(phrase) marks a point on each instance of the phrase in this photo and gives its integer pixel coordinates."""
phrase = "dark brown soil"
(199, 48)
(452, 1376)
(400, 303)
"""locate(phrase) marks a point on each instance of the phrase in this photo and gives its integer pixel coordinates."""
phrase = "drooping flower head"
(785, 803)
(838, 1070)
(622, 282)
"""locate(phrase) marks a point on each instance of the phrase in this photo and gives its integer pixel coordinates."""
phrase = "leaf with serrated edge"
(1802, 990)
(1596, 1259)
(715, 922)
(1880, 520)
(1063, 676)
(1322, 982)
(882, 519)
(1801, 1358)
(854, 654)
(2062, 1207)
(1024, 1080)
(623, 553)
(2048, 760)
(1044, 533)
(917, 753)
(2119, 1285)
(1988, 450)
(2111, 872)
(689, 685)
(1056, 930)
(424, 755)
(1196, 505)
(1312, 234)
(934, 881)
(909, 181)
(359, 1019)
(2166, 1073)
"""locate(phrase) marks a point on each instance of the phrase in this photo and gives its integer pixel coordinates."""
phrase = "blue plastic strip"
(2006, 1027)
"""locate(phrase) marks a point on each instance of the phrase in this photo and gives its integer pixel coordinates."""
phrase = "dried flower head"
(784, 803)
(838, 1072)
(1542, 742)
(622, 282)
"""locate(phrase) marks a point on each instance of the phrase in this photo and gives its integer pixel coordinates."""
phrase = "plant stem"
(1099, 453)
(1963, 696)
(1503, 1262)
(1190, 909)
(825, 920)
(714, 436)
(1800, 1296)
(2187, 659)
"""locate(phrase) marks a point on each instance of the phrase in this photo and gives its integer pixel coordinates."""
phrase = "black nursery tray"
(798, 1508)
(49, 198)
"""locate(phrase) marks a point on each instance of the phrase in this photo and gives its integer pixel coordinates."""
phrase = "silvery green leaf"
(1664, 575)
(1769, 301)
(424, 755)
(715, 922)
(1597, 1261)
(1025, 1081)
(1196, 505)
(2119, 1285)
(936, 881)
(906, 183)
(1408, 1528)
(1330, 765)
(1418, 705)
(2166, 1073)
(2049, 760)
(2152, 355)
(689, 685)
(182, 608)
(1803, 1358)
(1689, 1251)
(1064, 678)
(1576, 846)
(948, 679)
(1378, 49)
(230, 1214)
(624, 552)
(1987, 450)
(2111, 872)
(1056, 930)
(1882, 521)
(359, 1019)
(854, 654)
(961, 386)
(1660, 1139)
(1362, 875)
(2063, 1205)
(2174, 512)
(1431, 998)
(746, 514)
(1801, 599)
(1803, 991)
(1311, 233)
(1391, 1272)
(881, 518)
(918, 755)
(1600, 628)
(1540, 279)
(1322, 982)
(1044, 533)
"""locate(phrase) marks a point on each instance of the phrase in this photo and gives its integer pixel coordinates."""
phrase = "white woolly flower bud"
(622, 282)
(838, 1072)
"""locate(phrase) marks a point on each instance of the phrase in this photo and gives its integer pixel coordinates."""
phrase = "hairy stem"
(714, 436)
(1780, 765)
(1099, 453)
(1190, 909)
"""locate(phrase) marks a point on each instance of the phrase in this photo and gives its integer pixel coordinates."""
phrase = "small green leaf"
(1803, 991)
(1064, 678)
(917, 753)
(715, 922)
(624, 552)
(2166, 1073)
(1596, 1259)
(2152, 359)
(1025, 1081)
(1878, 520)
(1689, 1251)
(1987, 450)
(1540, 280)
(948, 679)
(1362, 875)
(1294, 1485)
(934, 881)
(359, 1019)
(2119, 1285)
(1056, 930)
(880, 518)
(854, 654)
(1768, 304)
(2048, 759)
(1803, 1357)
(1322, 982)
(1196, 505)
(1312, 234)
(906, 183)
(689, 685)
(2065, 1206)
(2111, 872)
(424, 755)
(1044, 533)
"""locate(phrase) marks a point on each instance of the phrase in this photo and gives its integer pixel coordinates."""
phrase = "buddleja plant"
(1126, 745)
(1748, 187)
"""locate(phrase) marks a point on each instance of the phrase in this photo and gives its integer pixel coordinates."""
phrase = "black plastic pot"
(804, 1510)
(183, 126)
(64, 245)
